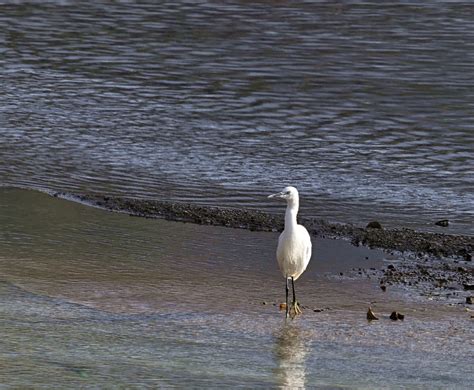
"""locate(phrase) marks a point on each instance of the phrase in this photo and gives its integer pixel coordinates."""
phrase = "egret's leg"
(287, 305)
(293, 285)
(295, 305)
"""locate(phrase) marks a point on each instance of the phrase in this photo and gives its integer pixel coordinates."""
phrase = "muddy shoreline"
(419, 243)
(433, 264)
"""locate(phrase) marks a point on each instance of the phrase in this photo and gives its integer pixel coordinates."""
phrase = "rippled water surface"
(367, 108)
(90, 299)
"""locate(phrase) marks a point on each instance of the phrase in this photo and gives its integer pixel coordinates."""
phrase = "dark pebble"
(442, 223)
(391, 266)
(383, 287)
(394, 316)
(469, 300)
(468, 286)
(465, 254)
(374, 225)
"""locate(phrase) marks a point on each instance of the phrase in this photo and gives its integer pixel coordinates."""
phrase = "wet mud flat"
(439, 245)
(431, 263)
(92, 298)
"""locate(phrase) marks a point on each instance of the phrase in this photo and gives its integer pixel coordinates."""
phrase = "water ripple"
(367, 108)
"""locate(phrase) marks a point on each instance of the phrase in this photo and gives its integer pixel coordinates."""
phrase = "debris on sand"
(282, 306)
(370, 315)
(470, 300)
(397, 316)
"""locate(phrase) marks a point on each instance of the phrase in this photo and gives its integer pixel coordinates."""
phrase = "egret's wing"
(308, 253)
(308, 247)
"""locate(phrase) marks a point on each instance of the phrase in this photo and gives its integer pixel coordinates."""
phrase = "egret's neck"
(290, 214)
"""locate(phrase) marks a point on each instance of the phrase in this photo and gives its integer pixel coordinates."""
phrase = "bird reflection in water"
(292, 346)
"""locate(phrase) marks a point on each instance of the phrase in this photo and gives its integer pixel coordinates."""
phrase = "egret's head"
(288, 193)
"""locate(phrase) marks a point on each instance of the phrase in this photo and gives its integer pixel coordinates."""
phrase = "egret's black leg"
(295, 305)
(293, 285)
(287, 305)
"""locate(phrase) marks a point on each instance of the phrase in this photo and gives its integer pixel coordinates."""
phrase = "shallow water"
(367, 108)
(96, 299)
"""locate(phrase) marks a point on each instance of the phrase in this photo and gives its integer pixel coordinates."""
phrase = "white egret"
(294, 246)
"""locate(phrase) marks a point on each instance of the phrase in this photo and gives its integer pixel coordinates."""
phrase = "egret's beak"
(277, 195)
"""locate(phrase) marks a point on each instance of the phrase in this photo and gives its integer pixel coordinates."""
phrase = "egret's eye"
(287, 192)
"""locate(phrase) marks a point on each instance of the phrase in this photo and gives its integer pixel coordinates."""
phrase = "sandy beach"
(93, 297)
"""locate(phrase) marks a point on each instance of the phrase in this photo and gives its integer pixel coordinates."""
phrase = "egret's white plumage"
(294, 244)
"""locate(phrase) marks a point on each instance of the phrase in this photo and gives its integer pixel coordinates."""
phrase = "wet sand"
(91, 298)
(427, 256)
(440, 245)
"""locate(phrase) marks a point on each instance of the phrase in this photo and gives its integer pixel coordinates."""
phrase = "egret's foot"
(295, 310)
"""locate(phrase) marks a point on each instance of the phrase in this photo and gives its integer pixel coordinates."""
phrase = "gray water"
(367, 108)
(91, 299)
